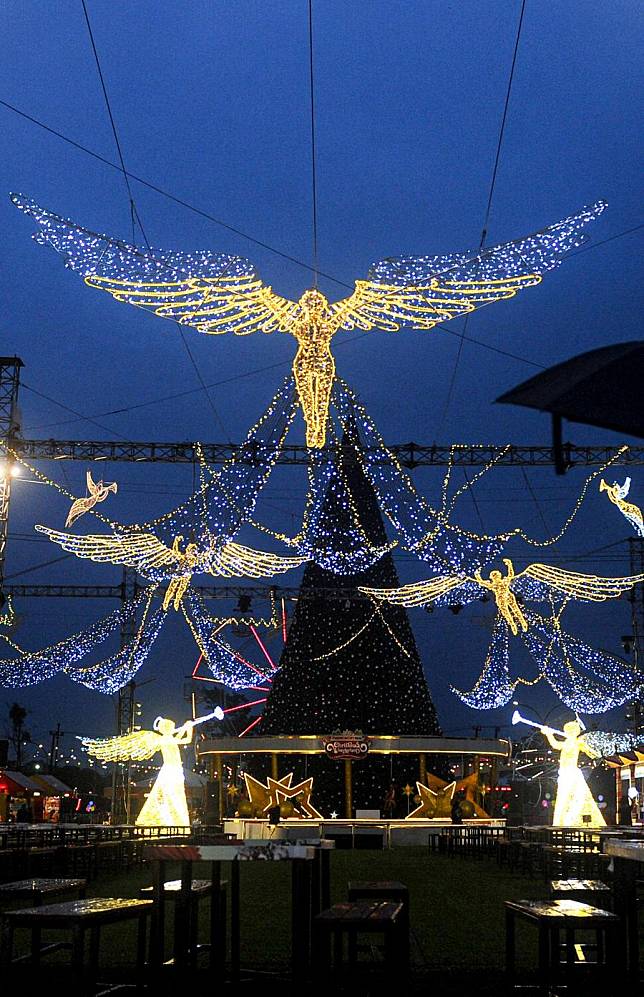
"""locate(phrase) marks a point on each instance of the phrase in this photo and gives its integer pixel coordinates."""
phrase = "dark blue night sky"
(211, 102)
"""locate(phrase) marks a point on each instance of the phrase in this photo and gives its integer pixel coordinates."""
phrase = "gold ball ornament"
(287, 810)
(467, 808)
(245, 808)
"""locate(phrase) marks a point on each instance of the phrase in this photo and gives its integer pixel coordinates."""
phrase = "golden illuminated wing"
(420, 291)
(588, 588)
(142, 551)
(241, 305)
(136, 747)
(214, 292)
(418, 593)
(236, 561)
(375, 305)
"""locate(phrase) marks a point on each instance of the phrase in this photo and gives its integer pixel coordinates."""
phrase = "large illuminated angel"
(216, 293)
(166, 804)
(154, 560)
(587, 680)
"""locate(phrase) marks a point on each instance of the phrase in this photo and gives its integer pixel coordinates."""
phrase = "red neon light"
(244, 706)
(249, 664)
(265, 652)
(250, 727)
(199, 660)
(284, 619)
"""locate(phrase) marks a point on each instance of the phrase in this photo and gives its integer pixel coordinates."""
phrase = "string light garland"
(226, 665)
(217, 294)
(617, 494)
(31, 667)
(114, 673)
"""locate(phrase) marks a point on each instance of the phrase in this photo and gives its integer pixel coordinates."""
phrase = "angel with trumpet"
(216, 293)
(166, 805)
(155, 560)
(575, 805)
(563, 659)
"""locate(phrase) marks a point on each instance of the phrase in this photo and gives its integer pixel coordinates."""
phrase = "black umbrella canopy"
(604, 387)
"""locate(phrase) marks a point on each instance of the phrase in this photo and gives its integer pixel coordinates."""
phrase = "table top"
(30, 886)
(559, 909)
(94, 908)
(618, 848)
(241, 851)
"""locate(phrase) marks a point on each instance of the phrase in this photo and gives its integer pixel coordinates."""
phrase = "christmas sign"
(347, 745)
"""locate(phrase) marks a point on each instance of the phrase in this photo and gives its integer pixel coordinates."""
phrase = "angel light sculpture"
(617, 494)
(166, 805)
(586, 680)
(158, 562)
(575, 805)
(216, 293)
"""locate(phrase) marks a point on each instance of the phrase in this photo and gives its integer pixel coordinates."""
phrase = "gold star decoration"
(275, 791)
(468, 786)
(433, 803)
(233, 791)
(408, 790)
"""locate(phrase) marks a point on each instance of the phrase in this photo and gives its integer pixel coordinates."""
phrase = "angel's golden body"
(314, 366)
(506, 601)
(178, 585)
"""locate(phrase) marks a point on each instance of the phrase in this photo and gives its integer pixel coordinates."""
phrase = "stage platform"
(356, 833)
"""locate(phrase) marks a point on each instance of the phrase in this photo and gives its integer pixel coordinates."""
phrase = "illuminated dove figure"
(617, 494)
(154, 560)
(216, 293)
(98, 492)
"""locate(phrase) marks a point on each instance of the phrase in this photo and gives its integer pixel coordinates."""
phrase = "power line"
(314, 197)
(171, 197)
(452, 381)
(134, 212)
(111, 116)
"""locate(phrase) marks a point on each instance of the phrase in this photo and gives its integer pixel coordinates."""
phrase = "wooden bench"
(383, 917)
(200, 889)
(77, 917)
(570, 916)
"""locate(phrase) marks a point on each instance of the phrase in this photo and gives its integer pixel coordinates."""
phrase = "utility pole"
(9, 428)
(55, 740)
(125, 710)
(635, 640)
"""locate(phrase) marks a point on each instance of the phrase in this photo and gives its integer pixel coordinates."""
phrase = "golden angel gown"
(575, 805)
(166, 804)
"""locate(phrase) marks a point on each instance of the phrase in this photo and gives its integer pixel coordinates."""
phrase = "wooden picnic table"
(309, 891)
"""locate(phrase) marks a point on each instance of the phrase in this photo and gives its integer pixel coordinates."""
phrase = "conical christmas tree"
(349, 664)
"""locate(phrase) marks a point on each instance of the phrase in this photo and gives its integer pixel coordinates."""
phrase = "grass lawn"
(456, 915)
